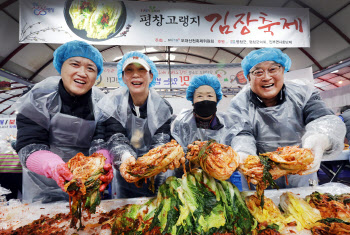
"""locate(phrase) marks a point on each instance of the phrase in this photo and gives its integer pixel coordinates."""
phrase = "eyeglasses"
(273, 70)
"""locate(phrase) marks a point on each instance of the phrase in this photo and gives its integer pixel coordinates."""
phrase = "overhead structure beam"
(14, 96)
(311, 58)
(15, 77)
(232, 53)
(332, 68)
(177, 52)
(12, 54)
(40, 69)
(6, 4)
(15, 88)
(174, 61)
(7, 109)
(324, 19)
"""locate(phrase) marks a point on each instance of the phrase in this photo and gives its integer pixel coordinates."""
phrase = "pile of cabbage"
(195, 204)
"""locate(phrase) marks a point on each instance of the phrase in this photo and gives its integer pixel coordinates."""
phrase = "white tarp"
(162, 24)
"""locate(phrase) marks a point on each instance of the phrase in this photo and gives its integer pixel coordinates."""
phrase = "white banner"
(162, 24)
(229, 75)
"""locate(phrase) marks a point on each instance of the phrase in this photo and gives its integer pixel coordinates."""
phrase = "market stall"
(144, 138)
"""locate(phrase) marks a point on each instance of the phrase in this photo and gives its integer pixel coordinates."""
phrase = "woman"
(203, 122)
(138, 119)
(56, 120)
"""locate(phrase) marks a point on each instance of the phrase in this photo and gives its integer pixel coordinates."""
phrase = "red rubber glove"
(106, 178)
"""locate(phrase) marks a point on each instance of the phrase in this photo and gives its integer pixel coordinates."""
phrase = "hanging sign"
(113, 22)
(229, 75)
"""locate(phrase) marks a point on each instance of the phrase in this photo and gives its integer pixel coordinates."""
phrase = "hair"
(344, 108)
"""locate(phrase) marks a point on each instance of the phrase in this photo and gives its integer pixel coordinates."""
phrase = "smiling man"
(56, 120)
(282, 114)
(138, 119)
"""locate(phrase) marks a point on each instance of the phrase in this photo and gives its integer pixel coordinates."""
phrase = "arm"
(324, 132)
(320, 121)
(33, 150)
(117, 143)
(346, 117)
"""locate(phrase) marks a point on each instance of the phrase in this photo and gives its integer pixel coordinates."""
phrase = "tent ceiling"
(330, 39)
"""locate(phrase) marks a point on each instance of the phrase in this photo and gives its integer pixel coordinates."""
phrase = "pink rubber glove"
(51, 165)
(106, 154)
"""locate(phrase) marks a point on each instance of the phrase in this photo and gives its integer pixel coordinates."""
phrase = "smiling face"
(204, 93)
(78, 75)
(137, 79)
(267, 84)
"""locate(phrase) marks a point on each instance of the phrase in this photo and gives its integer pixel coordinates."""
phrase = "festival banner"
(229, 75)
(111, 22)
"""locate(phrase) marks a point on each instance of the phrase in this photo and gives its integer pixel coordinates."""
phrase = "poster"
(229, 75)
(112, 22)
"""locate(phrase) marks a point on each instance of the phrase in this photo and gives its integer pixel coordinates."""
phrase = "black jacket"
(29, 132)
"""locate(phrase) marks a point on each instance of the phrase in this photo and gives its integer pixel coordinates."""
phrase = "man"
(282, 114)
(56, 120)
(345, 116)
(138, 119)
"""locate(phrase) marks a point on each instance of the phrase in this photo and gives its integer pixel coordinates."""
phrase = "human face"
(78, 75)
(137, 79)
(204, 93)
(266, 81)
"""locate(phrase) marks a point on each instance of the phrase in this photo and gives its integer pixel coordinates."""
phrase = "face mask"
(205, 108)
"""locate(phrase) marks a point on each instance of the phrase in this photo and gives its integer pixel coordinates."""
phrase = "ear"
(123, 78)
(151, 76)
(248, 76)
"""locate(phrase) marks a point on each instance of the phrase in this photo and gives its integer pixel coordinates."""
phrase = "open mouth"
(268, 86)
(136, 83)
(79, 81)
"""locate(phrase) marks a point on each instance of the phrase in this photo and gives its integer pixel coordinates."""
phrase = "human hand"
(242, 157)
(106, 178)
(106, 154)
(127, 163)
(317, 143)
(60, 173)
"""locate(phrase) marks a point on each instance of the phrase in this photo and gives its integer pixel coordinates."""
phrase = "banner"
(229, 75)
(9, 160)
(112, 22)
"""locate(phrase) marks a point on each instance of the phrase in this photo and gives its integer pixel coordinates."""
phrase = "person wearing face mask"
(56, 120)
(283, 113)
(137, 120)
(203, 122)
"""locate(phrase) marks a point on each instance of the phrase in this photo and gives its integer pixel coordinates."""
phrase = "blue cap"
(265, 54)
(201, 80)
(142, 56)
(77, 49)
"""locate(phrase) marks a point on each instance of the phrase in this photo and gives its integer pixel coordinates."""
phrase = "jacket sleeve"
(31, 137)
(346, 117)
(315, 108)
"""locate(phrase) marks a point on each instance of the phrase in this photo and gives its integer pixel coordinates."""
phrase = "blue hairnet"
(74, 49)
(205, 79)
(141, 55)
(265, 54)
